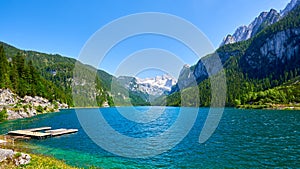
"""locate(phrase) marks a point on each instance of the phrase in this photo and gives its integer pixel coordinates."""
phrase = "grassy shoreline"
(38, 161)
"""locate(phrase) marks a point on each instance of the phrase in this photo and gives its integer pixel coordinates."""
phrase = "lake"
(243, 139)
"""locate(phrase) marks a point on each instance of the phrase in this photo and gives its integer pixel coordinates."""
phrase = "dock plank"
(55, 131)
(29, 133)
(68, 131)
(39, 129)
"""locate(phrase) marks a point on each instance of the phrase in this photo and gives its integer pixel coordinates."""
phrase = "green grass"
(40, 162)
(44, 162)
(37, 161)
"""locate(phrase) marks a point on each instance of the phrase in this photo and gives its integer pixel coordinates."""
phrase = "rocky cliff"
(205, 67)
(277, 52)
(246, 32)
(289, 7)
(264, 20)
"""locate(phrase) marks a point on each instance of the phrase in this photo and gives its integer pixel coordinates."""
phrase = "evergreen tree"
(4, 69)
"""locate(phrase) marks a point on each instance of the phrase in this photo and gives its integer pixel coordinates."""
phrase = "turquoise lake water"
(243, 139)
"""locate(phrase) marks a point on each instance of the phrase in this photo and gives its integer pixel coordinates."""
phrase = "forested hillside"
(23, 78)
(51, 76)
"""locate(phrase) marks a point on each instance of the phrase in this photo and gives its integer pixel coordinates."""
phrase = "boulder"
(22, 160)
(6, 154)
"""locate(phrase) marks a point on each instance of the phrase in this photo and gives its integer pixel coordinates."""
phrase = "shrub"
(3, 114)
(55, 105)
(39, 109)
(17, 155)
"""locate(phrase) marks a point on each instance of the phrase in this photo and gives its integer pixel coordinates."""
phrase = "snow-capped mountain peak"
(155, 86)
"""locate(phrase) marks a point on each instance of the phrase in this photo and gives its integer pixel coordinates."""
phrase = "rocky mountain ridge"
(262, 21)
(246, 32)
(290, 6)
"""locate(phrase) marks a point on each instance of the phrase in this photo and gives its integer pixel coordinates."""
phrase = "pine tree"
(33, 80)
(4, 70)
(14, 76)
(19, 68)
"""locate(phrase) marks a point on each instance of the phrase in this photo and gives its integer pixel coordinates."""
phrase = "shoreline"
(36, 160)
(290, 107)
(246, 107)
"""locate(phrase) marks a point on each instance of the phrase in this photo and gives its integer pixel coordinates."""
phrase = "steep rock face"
(186, 77)
(209, 65)
(246, 32)
(242, 33)
(289, 7)
(273, 54)
(229, 39)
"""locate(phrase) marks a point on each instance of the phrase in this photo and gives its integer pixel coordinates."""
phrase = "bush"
(3, 114)
(17, 155)
(237, 102)
(39, 109)
(55, 105)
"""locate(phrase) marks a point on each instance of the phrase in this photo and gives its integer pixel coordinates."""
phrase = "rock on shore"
(28, 106)
(16, 157)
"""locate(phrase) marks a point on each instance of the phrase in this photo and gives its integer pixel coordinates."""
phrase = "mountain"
(153, 87)
(156, 86)
(262, 21)
(246, 32)
(269, 59)
(289, 7)
(56, 80)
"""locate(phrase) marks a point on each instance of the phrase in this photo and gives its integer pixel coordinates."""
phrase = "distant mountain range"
(160, 85)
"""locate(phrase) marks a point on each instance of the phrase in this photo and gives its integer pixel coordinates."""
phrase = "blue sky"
(64, 26)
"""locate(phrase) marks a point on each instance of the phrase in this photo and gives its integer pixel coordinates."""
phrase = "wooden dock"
(41, 133)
